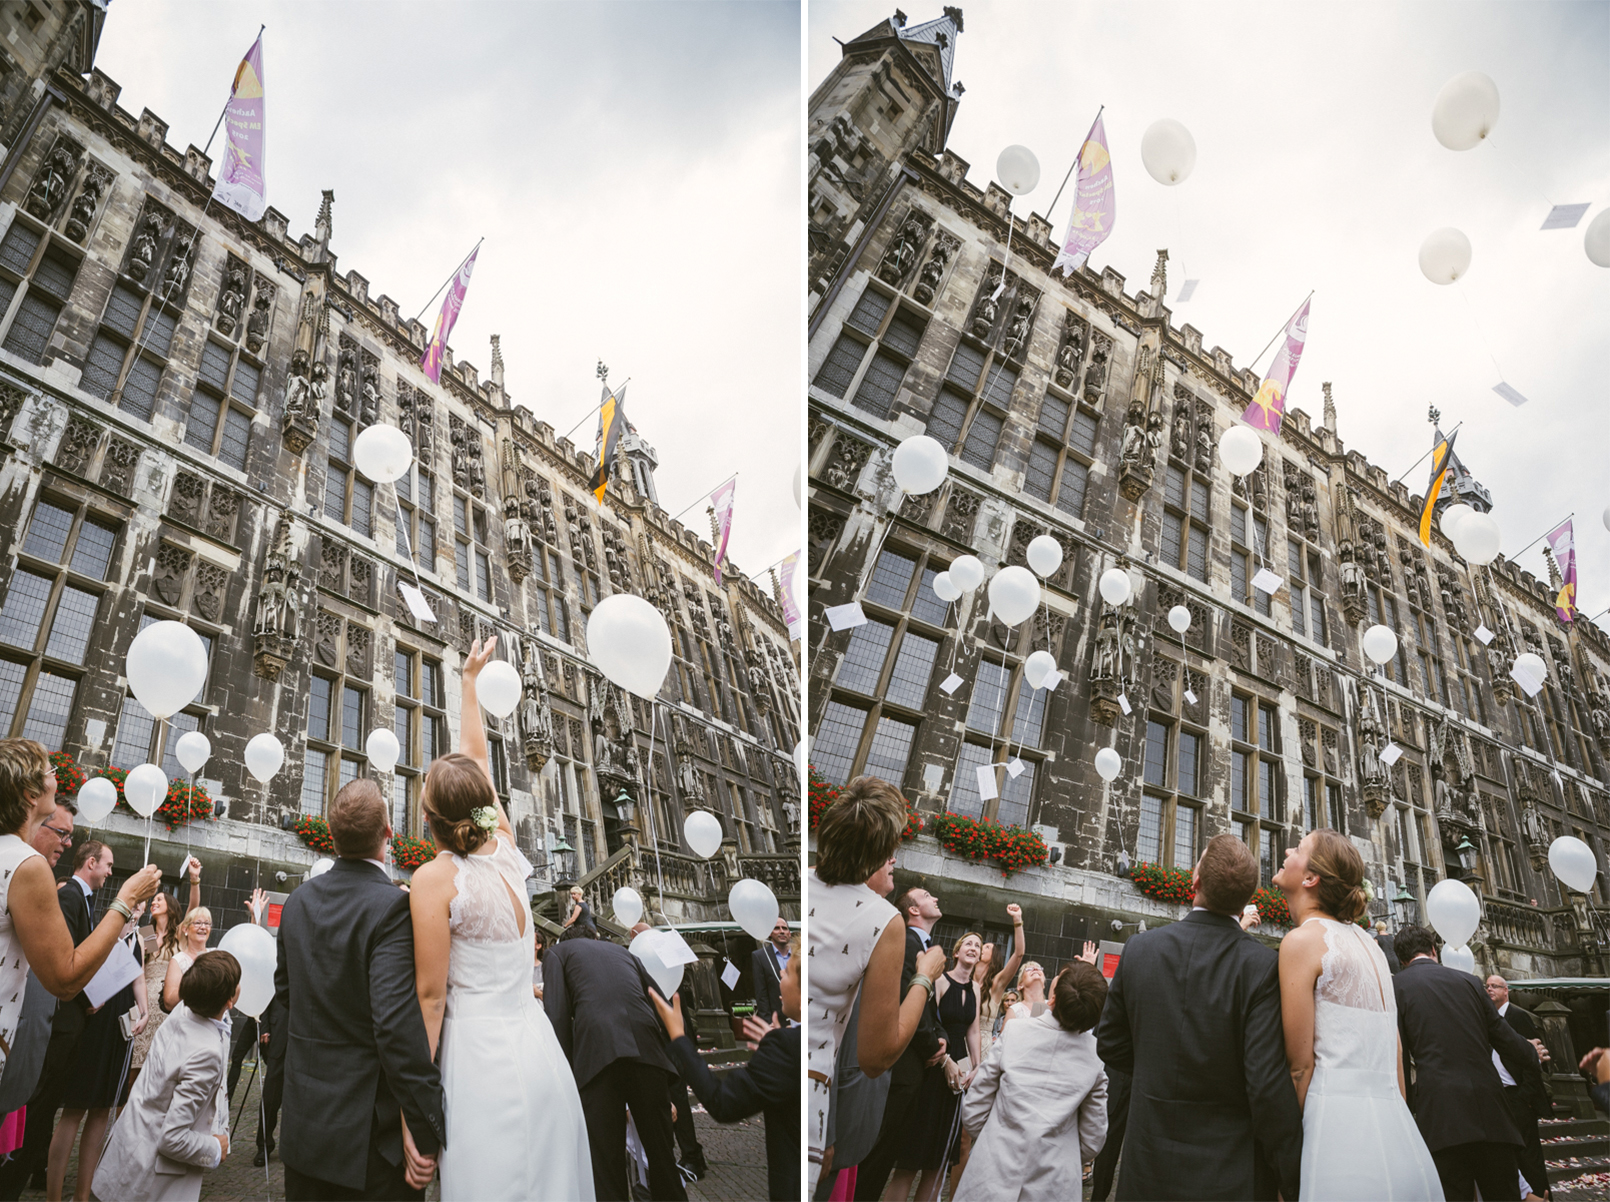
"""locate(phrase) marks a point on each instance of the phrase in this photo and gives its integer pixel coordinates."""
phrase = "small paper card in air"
(1563, 217)
(416, 601)
(1485, 635)
(1015, 768)
(1509, 394)
(1530, 684)
(1053, 680)
(729, 975)
(1267, 582)
(1390, 754)
(1190, 697)
(674, 949)
(1123, 703)
(120, 968)
(1187, 289)
(842, 617)
(950, 684)
(986, 782)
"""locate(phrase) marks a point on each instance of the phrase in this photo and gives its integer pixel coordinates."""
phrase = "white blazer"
(1036, 1109)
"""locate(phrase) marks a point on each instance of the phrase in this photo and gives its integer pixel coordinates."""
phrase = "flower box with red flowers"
(315, 833)
(182, 804)
(408, 852)
(823, 795)
(1165, 884)
(1011, 847)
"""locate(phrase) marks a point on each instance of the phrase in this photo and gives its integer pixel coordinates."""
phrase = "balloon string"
(402, 525)
(1006, 262)
(648, 776)
(1480, 333)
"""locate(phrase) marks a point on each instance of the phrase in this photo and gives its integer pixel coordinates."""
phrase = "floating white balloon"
(1044, 555)
(1114, 586)
(192, 750)
(629, 642)
(320, 866)
(1476, 538)
(1451, 517)
(1454, 910)
(1380, 644)
(702, 830)
(382, 749)
(166, 667)
(1241, 450)
(1444, 255)
(1533, 665)
(97, 797)
(1168, 151)
(628, 906)
(1013, 594)
(967, 572)
(1109, 764)
(1572, 861)
(1037, 667)
(754, 907)
(646, 947)
(801, 757)
(1596, 241)
(254, 947)
(1605, 517)
(920, 464)
(264, 755)
(1179, 619)
(797, 498)
(498, 687)
(144, 788)
(382, 453)
(1461, 958)
(1465, 111)
(1018, 170)
(945, 588)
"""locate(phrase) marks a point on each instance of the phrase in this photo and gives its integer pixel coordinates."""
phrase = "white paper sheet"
(1485, 635)
(120, 968)
(417, 605)
(1015, 769)
(1509, 394)
(1390, 754)
(1563, 217)
(730, 974)
(986, 782)
(1190, 697)
(674, 949)
(1053, 680)
(950, 684)
(1123, 703)
(1187, 290)
(843, 617)
(1267, 582)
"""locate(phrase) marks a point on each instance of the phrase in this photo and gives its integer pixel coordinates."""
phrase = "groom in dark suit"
(357, 1065)
(1194, 1015)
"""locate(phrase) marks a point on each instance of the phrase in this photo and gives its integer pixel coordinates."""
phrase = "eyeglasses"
(65, 836)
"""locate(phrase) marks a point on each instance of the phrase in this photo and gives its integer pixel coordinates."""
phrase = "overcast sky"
(634, 169)
(1317, 170)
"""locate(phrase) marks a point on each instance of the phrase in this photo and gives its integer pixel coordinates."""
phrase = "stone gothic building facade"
(179, 394)
(1076, 408)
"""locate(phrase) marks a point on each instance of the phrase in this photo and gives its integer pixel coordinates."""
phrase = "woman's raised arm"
(472, 730)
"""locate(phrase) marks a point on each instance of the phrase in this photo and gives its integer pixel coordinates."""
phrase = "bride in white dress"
(515, 1128)
(1341, 1025)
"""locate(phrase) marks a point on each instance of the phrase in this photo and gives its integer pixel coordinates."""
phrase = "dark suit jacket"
(768, 975)
(356, 1050)
(1525, 1024)
(596, 996)
(908, 1069)
(71, 1015)
(1450, 1029)
(1193, 1014)
(1384, 942)
(769, 1082)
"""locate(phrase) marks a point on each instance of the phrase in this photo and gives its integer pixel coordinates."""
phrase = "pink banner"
(790, 610)
(1269, 406)
(721, 500)
(1094, 205)
(241, 184)
(1562, 540)
(451, 304)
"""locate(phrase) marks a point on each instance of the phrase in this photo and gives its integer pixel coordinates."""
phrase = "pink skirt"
(11, 1131)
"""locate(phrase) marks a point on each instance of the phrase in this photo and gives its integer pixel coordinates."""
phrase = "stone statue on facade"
(318, 387)
(1114, 663)
(927, 286)
(902, 252)
(1371, 742)
(276, 624)
(536, 715)
(1017, 332)
(50, 187)
(145, 246)
(346, 380)
(89, 199)
(298, 387)
(1180, 444)
(233, 299)
(257, 323)
(1134, 437)
(988, 307)
(1068, 360)
(688, 785)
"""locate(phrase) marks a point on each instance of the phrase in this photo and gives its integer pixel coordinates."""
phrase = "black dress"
(937, 1125)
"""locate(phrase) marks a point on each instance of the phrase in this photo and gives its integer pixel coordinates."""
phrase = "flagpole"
(1541, 537)
(597, 407)
(1074, 164)
(1281, 330)
(1422, 458)
(450, 278)
(703, 496)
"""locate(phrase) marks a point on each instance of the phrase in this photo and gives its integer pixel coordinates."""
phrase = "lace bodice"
(1355, 1010)
(481, 911)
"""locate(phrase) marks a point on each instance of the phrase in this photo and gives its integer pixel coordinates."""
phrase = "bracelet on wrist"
(921, 982)
(122, 908)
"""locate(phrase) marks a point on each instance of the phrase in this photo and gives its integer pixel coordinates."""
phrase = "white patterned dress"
(13, 964)
(844, 922)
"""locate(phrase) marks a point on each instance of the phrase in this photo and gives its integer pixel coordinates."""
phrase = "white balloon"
(1605, 517)
(1109, 764)
(254, 947)
(966, 572)
(1461, 958)
(646, 947)
(629, 642)
(920, 464)
(1114, 586)
(320, 866)
(801, 757)
(1045, 555)
(1452, 516)
(1018, 170)
(1013, 594)
(498, 688)
(1241, 450)
(1476, 538)
(1168, 151)
(628, 906)
(1444, 255)
(144, 788)
(1380, 644)
(1533, 665)
(97, 797)
(166, 667)
(382, 453)
(1037, 667)
(1596, 241)
(1572, 861)
(1465, 111)
(382, 749)
(754, 907)
(703, 832)
(192, 750)
(264, 755)
(945, 588)
(797, 498)
(1454, 910)
(1179, 619)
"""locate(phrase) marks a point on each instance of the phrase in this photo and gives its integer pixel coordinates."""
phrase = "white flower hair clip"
(1369, 891)
(485, 817)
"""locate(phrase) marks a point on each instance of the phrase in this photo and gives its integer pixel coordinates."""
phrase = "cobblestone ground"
(736, 1154)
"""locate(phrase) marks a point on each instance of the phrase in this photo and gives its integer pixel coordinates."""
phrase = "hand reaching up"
(1090, 955)
(756, 1029)
(480, 655)
(258, 906)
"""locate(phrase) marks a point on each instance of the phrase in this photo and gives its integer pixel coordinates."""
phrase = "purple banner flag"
(1094, 206)
(241, 183)
(790, 609)
(1562, 540)
(721, 501)
(1269, 406)
(451, 304)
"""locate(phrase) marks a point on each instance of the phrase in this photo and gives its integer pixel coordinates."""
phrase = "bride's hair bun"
(1340, 869)
(456, 786)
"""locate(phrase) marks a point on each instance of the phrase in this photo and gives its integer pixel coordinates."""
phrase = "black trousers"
(53, 1080)
(1466, 1168)
(645, 1090)
(245, 1041)
(273, 1091)
(898, 1111)
(1101, 1177)
(383, 1182)
(687, 1137)
(1529, 1156)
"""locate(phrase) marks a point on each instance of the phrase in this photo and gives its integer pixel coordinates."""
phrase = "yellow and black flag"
(611, 421)
(1441, 459)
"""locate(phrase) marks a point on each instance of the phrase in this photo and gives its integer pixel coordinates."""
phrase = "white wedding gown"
(515, 1128)
(1359, 1138)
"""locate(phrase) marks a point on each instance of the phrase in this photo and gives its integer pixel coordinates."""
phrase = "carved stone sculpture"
(298, 424)
(276, 624)
(257, 323)
(1110, 670)
(144, 250)
(1179, 445)
(1072, 353)
(516, 539)
(346, 378)
(536, 715)
(177, 274)
(1371, 772)
(1354, 602)
(927, 286)
(96, 183)
(50, 186)
(902, 252)
(988, 307)
(1017, 332)
(233, 297)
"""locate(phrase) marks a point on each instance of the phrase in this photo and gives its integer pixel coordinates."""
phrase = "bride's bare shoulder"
(1303, 942)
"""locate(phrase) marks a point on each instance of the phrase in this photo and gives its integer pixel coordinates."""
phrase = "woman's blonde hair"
(455, 788)
(1340, 869)
(956, 948)
(199, 914)
(1024, 967)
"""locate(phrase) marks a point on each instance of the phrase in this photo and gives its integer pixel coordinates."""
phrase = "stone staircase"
(1573, 1147)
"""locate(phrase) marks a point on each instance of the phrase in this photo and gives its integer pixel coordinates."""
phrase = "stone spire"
(322, 226)
(1159, 284)
(1330, 408)
(497, 362)
(1555, 579)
